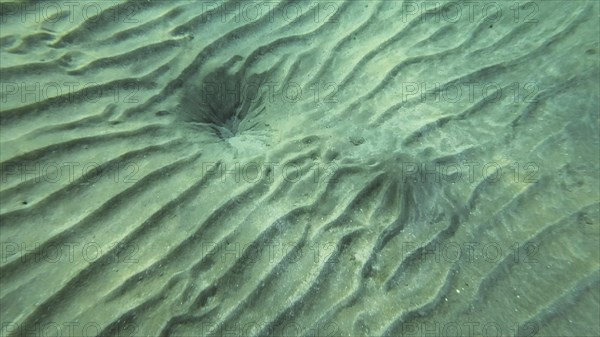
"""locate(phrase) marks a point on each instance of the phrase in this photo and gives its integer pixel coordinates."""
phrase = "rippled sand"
(346, 168)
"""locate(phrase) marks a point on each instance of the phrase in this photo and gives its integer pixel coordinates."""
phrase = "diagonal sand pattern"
(346, 168)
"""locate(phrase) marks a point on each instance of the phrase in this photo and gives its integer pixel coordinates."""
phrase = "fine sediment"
(351, 168)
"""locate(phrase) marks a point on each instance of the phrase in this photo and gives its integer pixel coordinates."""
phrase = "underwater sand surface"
(291, 168)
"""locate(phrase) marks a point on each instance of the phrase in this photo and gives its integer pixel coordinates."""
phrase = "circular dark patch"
(220, 102)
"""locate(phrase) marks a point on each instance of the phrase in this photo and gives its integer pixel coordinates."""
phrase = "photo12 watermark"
(468, 328)
(468, 92)
(269, 91)
(470, 11)
(271, 252)
(470, 252)
(15, 92)
(64, 329)
(267, 328)
(469, 171)
(252, 172)
(69, 252)
(271, 11)
(69, 11)
(69, 171)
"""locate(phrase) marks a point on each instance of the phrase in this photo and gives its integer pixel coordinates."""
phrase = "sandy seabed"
(287, 168)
